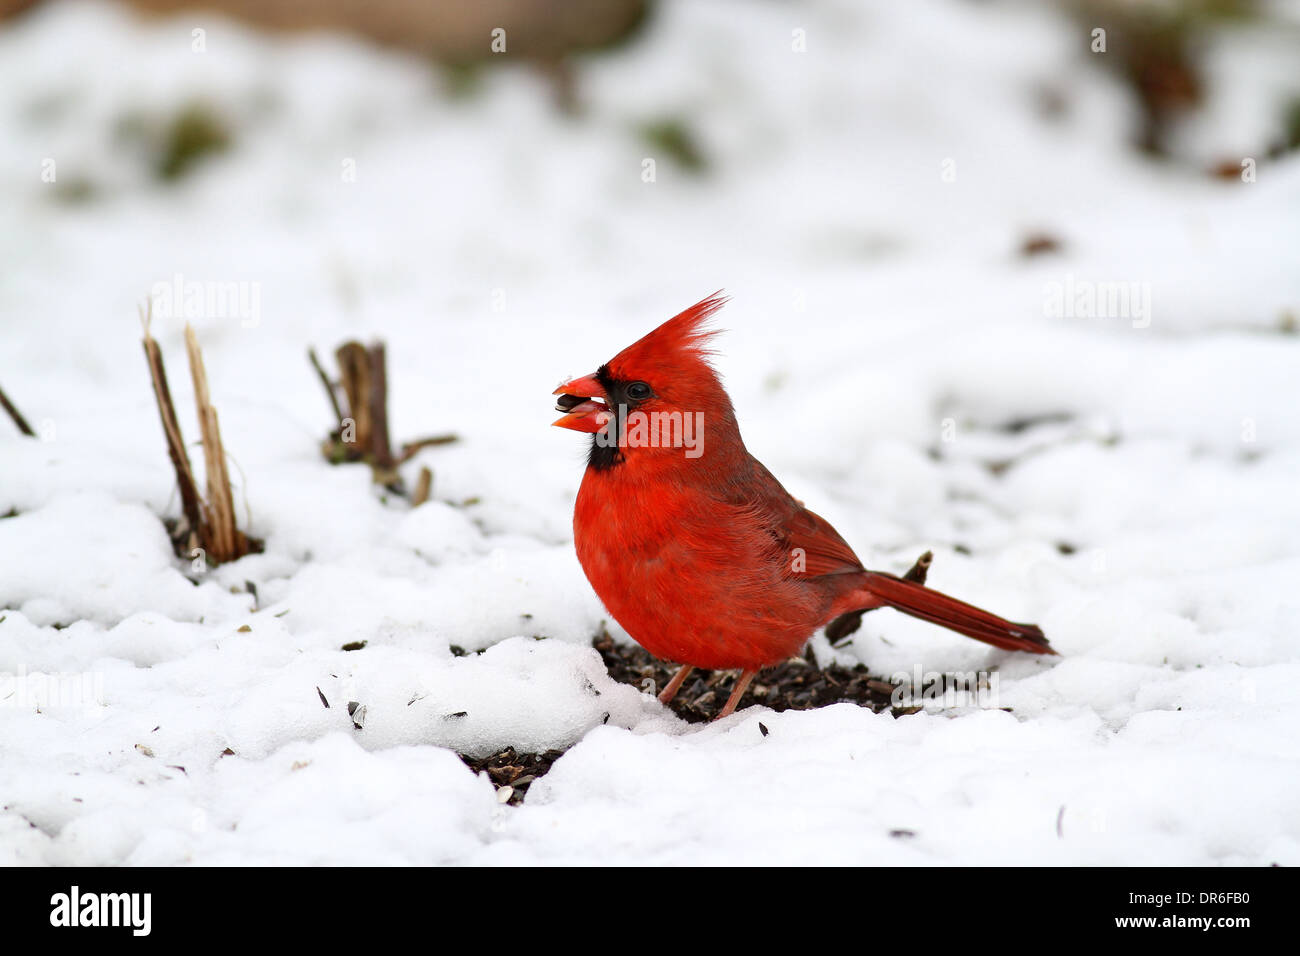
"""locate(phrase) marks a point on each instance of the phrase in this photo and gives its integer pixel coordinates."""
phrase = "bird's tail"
(938, 608)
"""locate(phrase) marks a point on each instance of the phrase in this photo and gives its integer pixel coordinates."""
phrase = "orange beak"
(583, 402)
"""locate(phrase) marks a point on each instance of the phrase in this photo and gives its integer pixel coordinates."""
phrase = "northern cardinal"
(692, 545)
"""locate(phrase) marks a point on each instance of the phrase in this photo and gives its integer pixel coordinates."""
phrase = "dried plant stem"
(329, 386)
(354, 373)
(380, 447)
(15, 414)
(362, 416)
(412, 448)
(225, 539)
(423, 486)
(191, 504)
(210, 523)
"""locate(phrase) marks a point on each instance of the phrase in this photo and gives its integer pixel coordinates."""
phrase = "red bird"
(692, 545)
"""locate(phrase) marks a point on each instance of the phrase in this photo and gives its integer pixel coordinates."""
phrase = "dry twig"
(209, 523)
(423, 485)
(15, 414)
(362, 418)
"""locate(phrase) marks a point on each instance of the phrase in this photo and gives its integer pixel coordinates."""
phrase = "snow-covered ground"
(864, 204)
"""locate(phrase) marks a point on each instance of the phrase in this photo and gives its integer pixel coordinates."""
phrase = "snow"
(883, 334)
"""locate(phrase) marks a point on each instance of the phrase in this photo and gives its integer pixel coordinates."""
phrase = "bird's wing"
(804, 540)
(823, 551)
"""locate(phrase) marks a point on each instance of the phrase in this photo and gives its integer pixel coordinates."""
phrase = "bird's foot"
(674, 685)
(742, 683)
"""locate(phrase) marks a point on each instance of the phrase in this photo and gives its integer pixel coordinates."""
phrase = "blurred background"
(509, 191)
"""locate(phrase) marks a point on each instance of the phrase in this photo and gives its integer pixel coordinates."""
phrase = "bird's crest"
(679, 345)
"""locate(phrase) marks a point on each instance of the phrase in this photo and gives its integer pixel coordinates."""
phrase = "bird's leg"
(736, 693)
(674, 685)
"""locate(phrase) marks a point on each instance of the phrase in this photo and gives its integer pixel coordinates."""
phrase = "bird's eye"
(638, 391)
